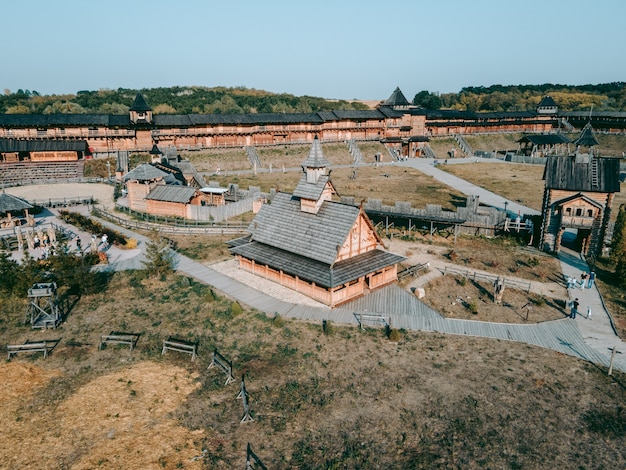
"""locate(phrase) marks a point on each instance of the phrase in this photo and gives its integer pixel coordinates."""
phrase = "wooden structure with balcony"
(579, 192)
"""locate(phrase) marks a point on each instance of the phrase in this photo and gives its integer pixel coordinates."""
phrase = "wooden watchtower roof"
(397, 98)
(140, 104)
(576, 173)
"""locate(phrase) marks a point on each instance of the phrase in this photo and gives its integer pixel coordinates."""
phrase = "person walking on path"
(574, 309)
(592, 277)
(583, 280)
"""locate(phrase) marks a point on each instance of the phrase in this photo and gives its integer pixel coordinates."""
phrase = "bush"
(473, 307)
(278, 321)
(327, 327)
(533, 262)
(235, 309)
(394, 335)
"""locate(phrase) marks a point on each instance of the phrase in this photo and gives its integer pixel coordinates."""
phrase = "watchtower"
(43, 306)
(579, 192)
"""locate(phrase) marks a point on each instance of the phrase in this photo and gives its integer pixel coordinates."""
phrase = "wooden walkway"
(403, 310)
(406, 311)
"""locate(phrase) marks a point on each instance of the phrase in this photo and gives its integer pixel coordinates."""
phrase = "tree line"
(499, 98)
(240, 100)
(172, 100)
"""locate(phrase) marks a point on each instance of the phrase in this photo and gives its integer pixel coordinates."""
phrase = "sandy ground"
(102, 193)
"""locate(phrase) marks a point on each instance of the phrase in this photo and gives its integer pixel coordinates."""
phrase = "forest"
(498, 98)
(239, 100)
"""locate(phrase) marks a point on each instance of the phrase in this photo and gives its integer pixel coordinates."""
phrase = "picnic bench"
(180, 345)
(116, 337)
(40, 346)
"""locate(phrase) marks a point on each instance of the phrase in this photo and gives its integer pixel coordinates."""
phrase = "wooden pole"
(614, 349)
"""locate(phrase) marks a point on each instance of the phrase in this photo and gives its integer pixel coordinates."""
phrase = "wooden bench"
(116, 337)
(43, 346)
(180, 345)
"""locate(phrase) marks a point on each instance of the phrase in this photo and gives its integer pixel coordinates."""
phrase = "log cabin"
(306, 241)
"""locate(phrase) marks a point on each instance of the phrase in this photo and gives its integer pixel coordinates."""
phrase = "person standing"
(574, 309)
(583, 279)
(592, 278)
(589, 313)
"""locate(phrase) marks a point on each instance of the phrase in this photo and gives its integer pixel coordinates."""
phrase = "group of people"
(586, 281)
(574, 309)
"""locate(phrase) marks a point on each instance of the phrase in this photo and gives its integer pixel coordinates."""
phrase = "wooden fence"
(491, 278)
(161, 225)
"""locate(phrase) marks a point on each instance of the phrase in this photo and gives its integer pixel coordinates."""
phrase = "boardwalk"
(587, 339)
(580, 338)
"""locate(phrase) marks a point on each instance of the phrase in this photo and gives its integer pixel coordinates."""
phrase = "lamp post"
(109, 170)
(506, 203)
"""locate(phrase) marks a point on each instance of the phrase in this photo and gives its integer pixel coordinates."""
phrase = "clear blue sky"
(329, 48)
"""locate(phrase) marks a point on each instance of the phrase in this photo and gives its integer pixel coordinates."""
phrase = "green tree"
(9, 273)
(159, 257)
(618, 246)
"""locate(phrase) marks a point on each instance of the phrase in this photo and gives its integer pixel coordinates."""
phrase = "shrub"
(278, 321)
(533, 262)
(473, 307)
(235, 309)
(328, 328)
(462, 280)
(394, 335)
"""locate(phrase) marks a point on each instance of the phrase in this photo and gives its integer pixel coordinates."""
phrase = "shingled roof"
(10, 203)
(397, 98)
(573, 174)
(19, 145)
(545, 139)
(314, 271)
(170, 193)
(283, 225)
(140, 105)
(586, 138)
(145, 172)
(547, 102)
(313, 191)
(316, 158)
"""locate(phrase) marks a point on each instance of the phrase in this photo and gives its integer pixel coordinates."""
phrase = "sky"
(332, 49)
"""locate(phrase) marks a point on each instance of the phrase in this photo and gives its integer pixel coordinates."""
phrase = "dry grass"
(518, 182)
(458, 297)
(347, 399)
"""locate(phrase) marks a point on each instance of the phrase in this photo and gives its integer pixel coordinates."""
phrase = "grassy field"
(341, 399)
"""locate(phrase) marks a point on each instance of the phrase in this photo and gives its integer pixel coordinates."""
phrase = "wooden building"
(305, 241)
(542, 145)
(395, 122)
(172, 200)
(579, 192)
(140, 181)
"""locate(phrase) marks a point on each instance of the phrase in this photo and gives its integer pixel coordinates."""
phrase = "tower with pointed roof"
(314, 186)
(578, 196)
(397, 100)
(140, 112)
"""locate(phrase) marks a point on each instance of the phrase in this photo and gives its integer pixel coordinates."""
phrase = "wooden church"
(579, 192)
(305, 241)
